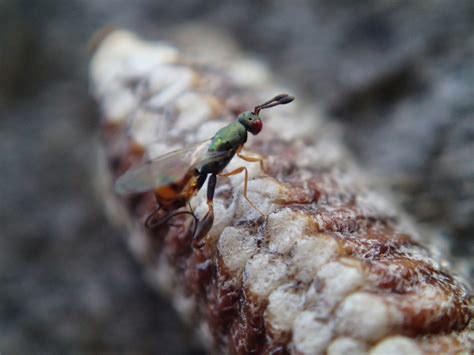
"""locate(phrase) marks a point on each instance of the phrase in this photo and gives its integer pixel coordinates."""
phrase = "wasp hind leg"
(152, 224)
(206, 224)
(170, 217)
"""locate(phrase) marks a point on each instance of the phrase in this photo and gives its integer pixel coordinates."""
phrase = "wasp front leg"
(256, 159)
(206, 224)
(259, 159)
(246, 180)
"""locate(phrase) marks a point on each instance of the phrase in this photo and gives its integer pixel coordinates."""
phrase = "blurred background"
(397, 75)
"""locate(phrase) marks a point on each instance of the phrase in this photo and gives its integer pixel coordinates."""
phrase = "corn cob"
(335, 267)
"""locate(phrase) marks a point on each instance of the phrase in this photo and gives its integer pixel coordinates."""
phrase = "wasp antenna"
(276, 98)
(281, 99)
(286, 100)
(256, 110)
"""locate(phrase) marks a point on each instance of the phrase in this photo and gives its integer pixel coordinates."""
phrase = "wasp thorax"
(252, 122)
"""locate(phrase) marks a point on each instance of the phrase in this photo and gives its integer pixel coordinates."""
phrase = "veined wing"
(166, 169)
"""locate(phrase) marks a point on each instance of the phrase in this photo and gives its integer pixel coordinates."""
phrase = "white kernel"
(236, 248)
(264, 273)
(311, 336)
(363, 316)
(346, 345)
(334, 281)
(397, 345)
(285, 227)
(310, 252)
(284, 304)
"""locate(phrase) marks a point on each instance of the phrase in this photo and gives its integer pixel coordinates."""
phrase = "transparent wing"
(165, 169)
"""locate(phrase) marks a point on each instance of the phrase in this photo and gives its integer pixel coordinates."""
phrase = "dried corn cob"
(333, 268)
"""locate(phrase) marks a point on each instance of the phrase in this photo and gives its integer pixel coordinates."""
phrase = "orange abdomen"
(176, 195)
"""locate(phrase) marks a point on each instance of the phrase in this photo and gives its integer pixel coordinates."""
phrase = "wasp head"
(251, 121)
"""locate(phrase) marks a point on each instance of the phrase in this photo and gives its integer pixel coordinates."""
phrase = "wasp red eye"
(256, 126)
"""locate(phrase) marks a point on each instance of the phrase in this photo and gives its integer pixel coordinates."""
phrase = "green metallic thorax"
(228, 139)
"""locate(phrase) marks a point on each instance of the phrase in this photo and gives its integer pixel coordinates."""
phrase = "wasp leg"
(167, 218)
(206, 224)
(259, 159)
(246, 180)
(148, 221)
(256, 159)
(190, 212)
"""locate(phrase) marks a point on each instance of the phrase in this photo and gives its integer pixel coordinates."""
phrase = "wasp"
(176, 177)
